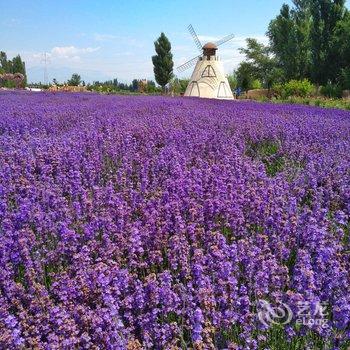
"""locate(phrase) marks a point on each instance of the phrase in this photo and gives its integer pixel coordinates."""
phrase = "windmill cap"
(210, 46)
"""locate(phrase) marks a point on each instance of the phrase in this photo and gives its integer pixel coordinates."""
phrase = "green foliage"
(319, 102)
(75, 80)
(300, 88)
(16, 65)
(116, 87)
(178, 86)
(345, 78)
(135, 85)
(311, 39)
(256, 84)
(232, 80)
(260, 65)
(341, 48)
(267, 151)
(244, 74)
(4, 64)
(288, 34)
(183, 85)
(331, 90)
(151, 87)
(163, 61)
(325, 60)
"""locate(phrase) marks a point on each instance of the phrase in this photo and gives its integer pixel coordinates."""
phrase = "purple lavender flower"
(151, 222)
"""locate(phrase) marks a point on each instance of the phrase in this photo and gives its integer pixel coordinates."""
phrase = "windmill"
(208, 78)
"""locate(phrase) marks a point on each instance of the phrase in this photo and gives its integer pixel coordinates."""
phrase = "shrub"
(278, 90)
(256, 84)
(345, 78)
(331, 90)
(297, 88)
(301, 88)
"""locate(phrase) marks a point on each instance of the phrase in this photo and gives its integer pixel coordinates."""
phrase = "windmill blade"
(195, 37)
(188, 64)
(224, 39)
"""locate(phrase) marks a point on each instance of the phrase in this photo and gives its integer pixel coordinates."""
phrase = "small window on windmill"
(194, 89)
(208, 72)
(223, 90)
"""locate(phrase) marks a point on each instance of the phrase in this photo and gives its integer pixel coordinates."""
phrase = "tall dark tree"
(283, 41)
(4, 62)
(302, 18)
(289, 34)
(325, 16)
(163, 61)
(341, 46)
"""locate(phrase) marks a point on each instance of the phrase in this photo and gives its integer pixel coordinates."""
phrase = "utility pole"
(45, 59)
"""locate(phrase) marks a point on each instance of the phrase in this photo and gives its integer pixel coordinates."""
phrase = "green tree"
(134, 85)
(75, 80)
(232, 80)
(163, 61)
(183, 84)
(150, 87)
(260, 64)
(245, 75)
(288, 34)
(4, 62)
(16, 65)
(302, 17)
(341, 45)
(324, 61)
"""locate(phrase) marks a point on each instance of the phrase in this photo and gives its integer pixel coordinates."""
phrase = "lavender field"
(172, 223)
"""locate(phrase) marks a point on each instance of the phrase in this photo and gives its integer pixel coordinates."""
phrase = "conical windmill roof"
(210, 45)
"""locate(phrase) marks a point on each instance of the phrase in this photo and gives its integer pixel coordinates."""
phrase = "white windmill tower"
(208, 78)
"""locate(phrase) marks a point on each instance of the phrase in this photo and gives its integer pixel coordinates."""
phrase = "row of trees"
(310, 39)
(148, 86)
(16, 65)
(163, 71)
(113, 85)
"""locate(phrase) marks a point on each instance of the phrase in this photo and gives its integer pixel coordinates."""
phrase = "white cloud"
(59, 54)
(71, 52)
(129, 62)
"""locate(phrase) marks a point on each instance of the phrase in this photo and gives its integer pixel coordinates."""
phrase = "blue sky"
(108, 39)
